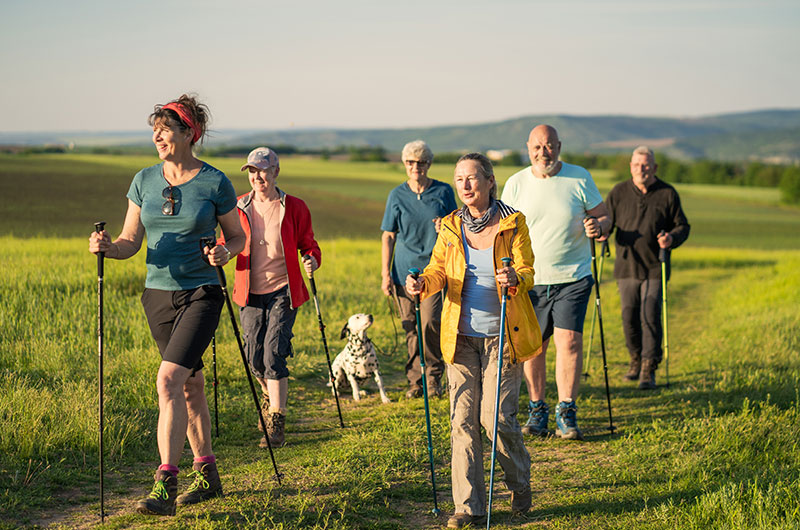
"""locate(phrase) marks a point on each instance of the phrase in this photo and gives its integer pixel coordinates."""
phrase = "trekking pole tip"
(436, 511)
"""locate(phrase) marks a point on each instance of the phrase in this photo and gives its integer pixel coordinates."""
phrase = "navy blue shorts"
(561, 305)
(183, 322)
(267, 322)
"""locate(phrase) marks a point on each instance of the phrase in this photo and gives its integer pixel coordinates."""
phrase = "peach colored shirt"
(267, 263)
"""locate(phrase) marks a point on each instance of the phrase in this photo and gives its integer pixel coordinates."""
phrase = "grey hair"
(487, 170)
(644, 150)
(417, 150)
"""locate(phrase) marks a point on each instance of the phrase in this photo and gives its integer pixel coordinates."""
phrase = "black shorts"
(267, 322)
(183, 322)
(561, 305)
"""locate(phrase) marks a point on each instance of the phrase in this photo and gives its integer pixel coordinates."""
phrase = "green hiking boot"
(206, 484)
(161, 500)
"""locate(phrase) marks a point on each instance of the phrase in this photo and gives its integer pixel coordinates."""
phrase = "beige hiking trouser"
(472, 380)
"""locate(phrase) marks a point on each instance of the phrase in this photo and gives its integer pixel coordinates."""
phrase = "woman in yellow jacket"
(466, 261)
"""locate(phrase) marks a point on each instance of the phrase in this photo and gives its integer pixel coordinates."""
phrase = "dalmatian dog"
(357, 361)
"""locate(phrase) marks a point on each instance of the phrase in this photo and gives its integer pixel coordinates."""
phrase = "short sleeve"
(451, 199)
(592, 197)
(135, 191)
(509, 193)
(226, 197)
(389, 223)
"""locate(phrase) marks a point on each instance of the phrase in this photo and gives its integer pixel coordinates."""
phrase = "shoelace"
(567, 415)
(159, 491)
(199, 480)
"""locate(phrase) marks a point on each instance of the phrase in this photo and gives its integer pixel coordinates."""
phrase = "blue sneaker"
(539, 415)
(566, 421)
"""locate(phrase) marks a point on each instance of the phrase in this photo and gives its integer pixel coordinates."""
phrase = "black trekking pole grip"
(311, 281)
(504, 290)
(662, 252)
(414, 272)
(99, 227)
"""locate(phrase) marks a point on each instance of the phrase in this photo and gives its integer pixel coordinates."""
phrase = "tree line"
(750, 173)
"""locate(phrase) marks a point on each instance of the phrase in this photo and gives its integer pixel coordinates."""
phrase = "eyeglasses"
(168, 208)
(421, 163)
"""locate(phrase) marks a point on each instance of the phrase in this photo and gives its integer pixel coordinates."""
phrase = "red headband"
(180, 111)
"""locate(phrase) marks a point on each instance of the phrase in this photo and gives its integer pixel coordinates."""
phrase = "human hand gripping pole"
(415, 274)
(662, 257)
(500, 346)
(325, 344)
(210, 242)
(602, 337)
(99, 227)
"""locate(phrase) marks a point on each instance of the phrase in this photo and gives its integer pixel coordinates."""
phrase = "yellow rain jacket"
(448, 266)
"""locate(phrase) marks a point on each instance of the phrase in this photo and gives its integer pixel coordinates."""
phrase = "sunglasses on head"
(168, 208)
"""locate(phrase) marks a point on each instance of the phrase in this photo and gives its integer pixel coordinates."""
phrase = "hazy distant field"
(717, 449)
(62, 195)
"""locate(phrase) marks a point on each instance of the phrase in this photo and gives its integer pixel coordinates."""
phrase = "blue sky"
(102, 65)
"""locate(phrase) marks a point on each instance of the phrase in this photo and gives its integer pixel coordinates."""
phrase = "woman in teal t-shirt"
(175, 203)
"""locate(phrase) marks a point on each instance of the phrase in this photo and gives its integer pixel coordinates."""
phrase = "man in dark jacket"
(647, 215)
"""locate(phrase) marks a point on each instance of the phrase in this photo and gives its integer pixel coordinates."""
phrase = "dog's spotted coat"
(358, 360)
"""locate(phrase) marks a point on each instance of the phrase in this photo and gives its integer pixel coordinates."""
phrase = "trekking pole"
(503, 298)
(325, 345)
(662, 257)
(214, 365)
(602, 338)
(603, 253)
(210, 242)
(99, 227)
(415, 274)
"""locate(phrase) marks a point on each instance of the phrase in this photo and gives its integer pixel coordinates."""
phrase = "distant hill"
(772, 135)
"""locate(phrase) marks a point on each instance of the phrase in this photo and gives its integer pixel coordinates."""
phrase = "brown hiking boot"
(276, 424)
(647, 376)
(414, 392)
(521, 500)
(264, 410)
(435, 389)
(206, 484)
(461, 519)
(161, 500)
(633, 369)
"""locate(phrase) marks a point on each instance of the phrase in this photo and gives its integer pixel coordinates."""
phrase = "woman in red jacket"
(269, 286)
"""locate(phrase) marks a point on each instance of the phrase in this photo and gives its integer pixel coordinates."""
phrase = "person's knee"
(194, 386)
(169, 384)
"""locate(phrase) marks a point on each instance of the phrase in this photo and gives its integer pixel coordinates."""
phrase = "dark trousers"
(641, 317)
(430, 314)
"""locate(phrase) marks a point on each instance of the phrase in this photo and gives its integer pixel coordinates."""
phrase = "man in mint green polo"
(563, 209)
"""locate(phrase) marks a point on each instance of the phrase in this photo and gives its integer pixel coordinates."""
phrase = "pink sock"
(210, 459)
(170, 468)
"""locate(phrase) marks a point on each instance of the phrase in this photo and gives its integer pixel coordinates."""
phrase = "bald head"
(543, 130)
(543, 149)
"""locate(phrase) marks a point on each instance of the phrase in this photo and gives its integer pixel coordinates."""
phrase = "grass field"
(717, 449)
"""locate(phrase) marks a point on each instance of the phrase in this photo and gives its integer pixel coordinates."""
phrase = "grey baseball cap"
(262, 158)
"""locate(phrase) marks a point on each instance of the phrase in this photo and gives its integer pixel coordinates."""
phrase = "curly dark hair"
(198, 111)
